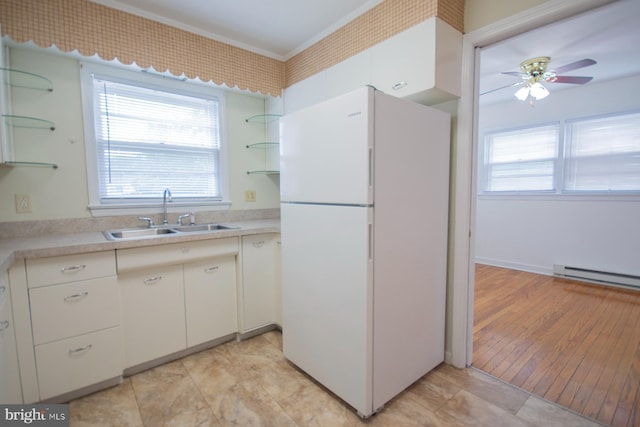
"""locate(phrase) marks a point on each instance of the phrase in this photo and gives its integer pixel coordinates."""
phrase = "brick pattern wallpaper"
(91, 28)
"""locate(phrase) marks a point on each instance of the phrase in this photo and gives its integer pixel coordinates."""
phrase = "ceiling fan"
(534, 73)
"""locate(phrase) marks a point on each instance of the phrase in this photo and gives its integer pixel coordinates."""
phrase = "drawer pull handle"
(211, 269)
(258, 244)
(76, 296)
(152, 280)
(399, 85)
(73, 268)
(80, 350)
(4, 325)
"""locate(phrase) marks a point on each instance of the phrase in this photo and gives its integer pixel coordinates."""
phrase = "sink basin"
(137, 233)
(202, 227)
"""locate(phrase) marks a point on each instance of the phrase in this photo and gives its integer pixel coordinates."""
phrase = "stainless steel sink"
(202, 227)
(137, 233)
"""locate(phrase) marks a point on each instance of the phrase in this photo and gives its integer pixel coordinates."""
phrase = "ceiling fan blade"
(513, 73)
(576, 80)
(574, 66)
(500, 88)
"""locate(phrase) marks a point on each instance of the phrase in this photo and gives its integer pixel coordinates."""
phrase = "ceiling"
(275, 28)
(609, 35)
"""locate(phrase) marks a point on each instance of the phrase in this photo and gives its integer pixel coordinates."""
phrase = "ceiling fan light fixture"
(523, 93)
(538, 91)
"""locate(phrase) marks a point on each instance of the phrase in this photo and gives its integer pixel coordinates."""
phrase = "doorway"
(532, 116)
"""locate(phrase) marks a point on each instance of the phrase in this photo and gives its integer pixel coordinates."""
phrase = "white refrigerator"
(364, 184)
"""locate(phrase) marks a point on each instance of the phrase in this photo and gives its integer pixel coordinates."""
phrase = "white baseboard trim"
(547, 271)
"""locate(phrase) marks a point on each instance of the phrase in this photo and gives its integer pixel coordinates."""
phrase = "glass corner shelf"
(33, 164)
(28, 122)
(263, 145)
(18, 78)
(263, 172)
(263, 118)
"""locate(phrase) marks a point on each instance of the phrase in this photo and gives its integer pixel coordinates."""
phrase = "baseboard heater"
(596, 276)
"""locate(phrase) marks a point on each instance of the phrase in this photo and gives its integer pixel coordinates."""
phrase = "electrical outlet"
(23, 203)
(250, 195)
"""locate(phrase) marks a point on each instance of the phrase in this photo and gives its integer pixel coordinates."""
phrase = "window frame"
(163, 83)
(568, 147)
(484, 176)
(559, 170)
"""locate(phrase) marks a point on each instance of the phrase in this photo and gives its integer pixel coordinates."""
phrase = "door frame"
(463, 203)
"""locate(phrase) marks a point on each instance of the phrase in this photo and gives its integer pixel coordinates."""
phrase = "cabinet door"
(259, 287)
(153, 317)
(404, 64)
(210, 299)
(350, 74)
(10, 388)
(305, 93)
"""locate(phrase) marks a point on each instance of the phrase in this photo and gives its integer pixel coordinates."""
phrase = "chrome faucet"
(164, 205)
(183, 216)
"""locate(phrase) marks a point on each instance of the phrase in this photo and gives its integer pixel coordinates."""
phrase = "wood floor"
(569, 342)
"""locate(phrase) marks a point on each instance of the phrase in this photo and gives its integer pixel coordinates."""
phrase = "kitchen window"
(586, 156)
(146, 133)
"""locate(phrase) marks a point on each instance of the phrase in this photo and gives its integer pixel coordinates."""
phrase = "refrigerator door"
(327, 298)
(326, 151)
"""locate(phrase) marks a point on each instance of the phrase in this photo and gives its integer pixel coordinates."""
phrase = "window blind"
(521, 160)
(149, 139)
(603, 154)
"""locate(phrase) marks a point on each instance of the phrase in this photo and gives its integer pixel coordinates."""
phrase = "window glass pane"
(521, 160)
(603, 154)
(148, 140)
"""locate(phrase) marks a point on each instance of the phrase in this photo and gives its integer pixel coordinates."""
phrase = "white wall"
(534, 233)
(62, 193)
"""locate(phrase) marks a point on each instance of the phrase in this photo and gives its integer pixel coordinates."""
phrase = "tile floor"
(250, 383)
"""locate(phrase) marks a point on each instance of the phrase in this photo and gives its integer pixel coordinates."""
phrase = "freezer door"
(327, 299)
(326, 151)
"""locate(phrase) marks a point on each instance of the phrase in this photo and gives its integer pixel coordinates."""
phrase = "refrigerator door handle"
(370, 168)
(370, 242)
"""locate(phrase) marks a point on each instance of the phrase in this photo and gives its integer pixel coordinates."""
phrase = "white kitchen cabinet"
(422, 63)
(75, 321)
(70, 268)
(305, 93)
(176, 296)
(260, 285)
(153, 313)
(70, 309)
(210, 299)
(79, 361)
(10, 387)
(348, 75)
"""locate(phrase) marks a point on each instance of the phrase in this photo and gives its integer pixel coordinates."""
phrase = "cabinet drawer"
(70, 268)
(63, 311)
(174, 253)
(77, 362)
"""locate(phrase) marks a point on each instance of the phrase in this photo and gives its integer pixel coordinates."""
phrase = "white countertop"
(74, 243)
